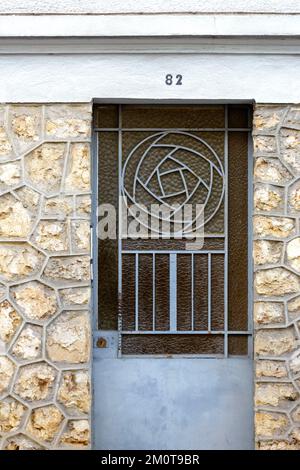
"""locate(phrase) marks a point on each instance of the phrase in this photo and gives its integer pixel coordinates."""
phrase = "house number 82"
(169, 80)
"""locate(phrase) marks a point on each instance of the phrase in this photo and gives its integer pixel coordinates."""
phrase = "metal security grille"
(163, 298)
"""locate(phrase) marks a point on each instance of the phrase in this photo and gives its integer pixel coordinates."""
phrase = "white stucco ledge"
(163, 25)
(69, 7)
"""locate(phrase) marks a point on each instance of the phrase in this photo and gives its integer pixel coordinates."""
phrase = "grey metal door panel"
(184, 403)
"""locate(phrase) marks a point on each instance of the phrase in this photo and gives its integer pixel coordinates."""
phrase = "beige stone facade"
(45, 334)
(276, 253)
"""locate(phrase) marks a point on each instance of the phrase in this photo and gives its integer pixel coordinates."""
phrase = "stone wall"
(277, 276)
(45, 389)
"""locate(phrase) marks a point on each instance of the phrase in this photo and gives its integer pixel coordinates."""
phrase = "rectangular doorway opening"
(165, 292)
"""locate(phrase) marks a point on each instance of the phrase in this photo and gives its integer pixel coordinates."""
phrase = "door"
(172, 344)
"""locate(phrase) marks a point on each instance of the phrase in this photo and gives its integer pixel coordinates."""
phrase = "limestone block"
(271, 170)
(44, 166)
(275, 394)
(278, 445)
(83, 206)
(10, 175)
(29, 198)
(270, 424)
(267, 252)
(63, 121)
(59, 207)
(67, 269)
(15, 219)
(10, 321)
(28, 346)
(44, 422)
(264, 145)
(292, 118)
(275, 342)
(75, 296)
(293, 253)
(296, 414)
(290, 148)
(268, 198)
(74, 391)
(68, 338)
(294, 308)
(276, 282)
(277, 227)
(272, 369)
(268, 312)
(35, 382)
(11, 415)
(294, 363)
(18, 261)
(36, 301)
(267, 118)
(51, 236)
(25, 125)
(7, 369)
(21, 442)
(6, 150)
(78, 173)
(80, 230)
(77, 434)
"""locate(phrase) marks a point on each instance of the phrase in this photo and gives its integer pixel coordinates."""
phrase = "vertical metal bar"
(95, 153)
(120, 230)
(153, 293)
(136, 291)
(209, 291)
(192, 291)
(173, 291)
(226, 237)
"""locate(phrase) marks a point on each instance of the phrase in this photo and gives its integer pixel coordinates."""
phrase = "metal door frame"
(94, 241)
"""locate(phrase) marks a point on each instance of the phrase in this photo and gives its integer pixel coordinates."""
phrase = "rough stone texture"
(276, 282)
(74, 391)
(267, 198)
(67, 269)
(78, 175)
(272, 369)
(44, 422)
(29, 343)
(15, 219)
(11, 414)
(266, 313)
(35, 382)
(267, 252)
(52, 236)
(277, 300)
(68, 338)
(21, 442)
(19, 261)
(45, 210)
(275, 394)
(77, 433)
(75, 296)
(44, 167)
(10, 321)
(7, 370)
(35, 300)
(277, 227)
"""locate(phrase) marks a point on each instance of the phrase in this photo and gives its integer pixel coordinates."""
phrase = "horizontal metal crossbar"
(185, 332)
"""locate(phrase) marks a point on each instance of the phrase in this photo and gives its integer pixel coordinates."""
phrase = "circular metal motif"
(174, 169)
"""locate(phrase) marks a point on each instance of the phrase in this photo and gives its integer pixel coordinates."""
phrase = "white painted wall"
(78, 78)
(66, 51)
(146, 6)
